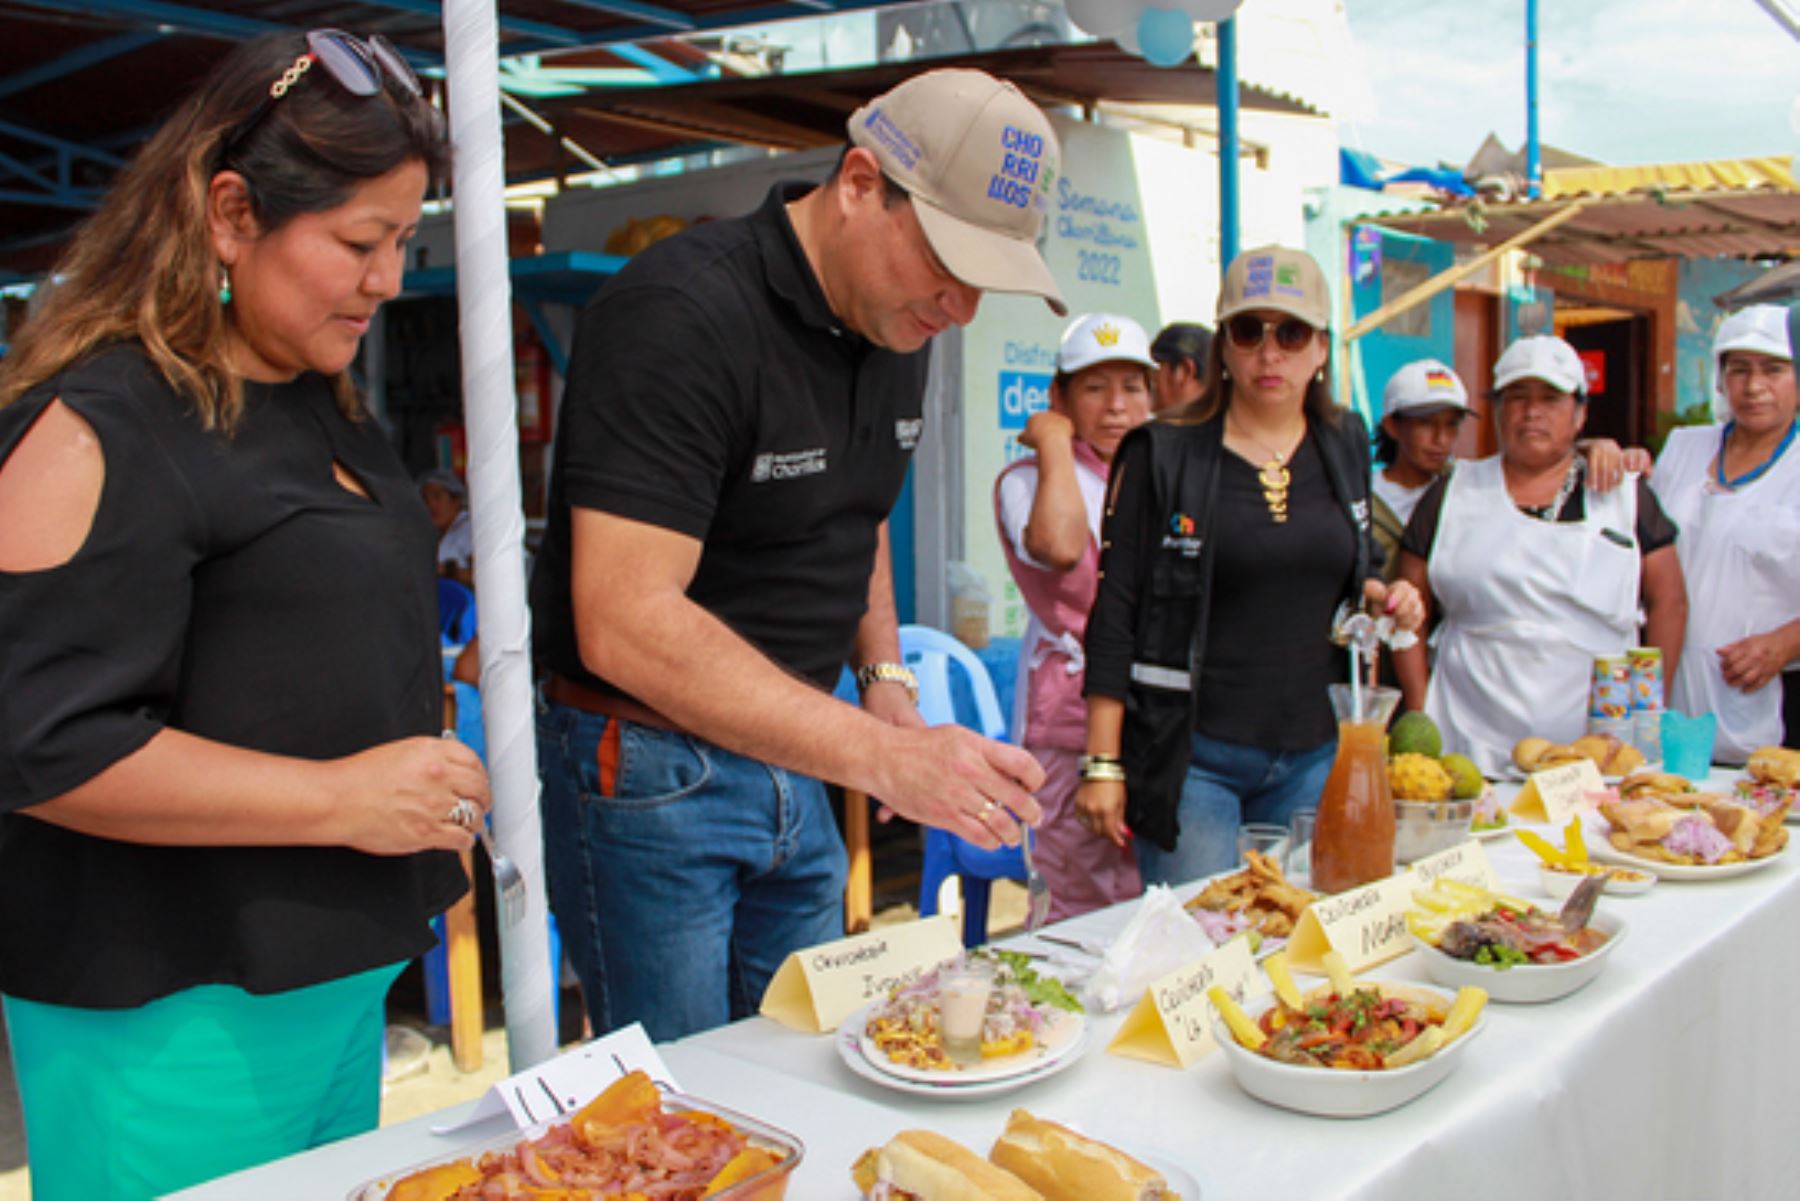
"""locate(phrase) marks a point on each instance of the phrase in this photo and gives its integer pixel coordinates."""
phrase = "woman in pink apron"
(1048, 508)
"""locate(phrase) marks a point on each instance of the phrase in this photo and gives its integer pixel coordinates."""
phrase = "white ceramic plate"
(1558, 885)
(1524, 983)
(1015, 1072)
(1180, 1180)
(1335, 1093)
(1062, 1029)
(1600, 848)
(1493, 832)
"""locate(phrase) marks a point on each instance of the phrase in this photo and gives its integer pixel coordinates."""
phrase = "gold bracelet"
(1087, 761)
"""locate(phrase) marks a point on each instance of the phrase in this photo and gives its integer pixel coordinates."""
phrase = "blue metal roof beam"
(667, 18)
(660, 68)
(90, 55)
(790, 11)
(153, 12)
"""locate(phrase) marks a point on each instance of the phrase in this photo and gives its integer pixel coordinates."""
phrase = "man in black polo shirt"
(742, 404)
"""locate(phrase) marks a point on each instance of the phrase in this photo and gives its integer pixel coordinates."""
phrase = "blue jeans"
(1228, 784)
(681, 888)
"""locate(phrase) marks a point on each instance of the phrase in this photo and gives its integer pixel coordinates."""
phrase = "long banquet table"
(1675, 1074)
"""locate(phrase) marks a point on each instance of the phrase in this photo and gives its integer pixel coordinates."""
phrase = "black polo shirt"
(713, 393)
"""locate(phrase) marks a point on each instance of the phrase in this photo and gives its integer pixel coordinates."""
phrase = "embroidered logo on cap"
(1021, 154)
(1106, 335)
(1435, 378)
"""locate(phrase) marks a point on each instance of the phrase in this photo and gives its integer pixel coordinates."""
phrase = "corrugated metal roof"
(1774, 171)
(1740, 208)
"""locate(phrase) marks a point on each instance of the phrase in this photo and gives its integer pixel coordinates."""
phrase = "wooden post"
(1450, 275)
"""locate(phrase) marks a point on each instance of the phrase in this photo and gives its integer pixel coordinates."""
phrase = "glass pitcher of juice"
(1353, 838)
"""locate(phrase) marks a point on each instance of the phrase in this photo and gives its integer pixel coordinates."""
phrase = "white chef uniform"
(1527, 604)
(1740, 555)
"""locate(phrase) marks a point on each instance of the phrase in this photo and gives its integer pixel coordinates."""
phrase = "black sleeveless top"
(229, 587)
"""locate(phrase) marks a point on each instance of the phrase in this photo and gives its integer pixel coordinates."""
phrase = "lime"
(1465, 778)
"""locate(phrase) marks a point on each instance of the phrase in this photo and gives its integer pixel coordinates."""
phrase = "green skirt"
(128, 1104)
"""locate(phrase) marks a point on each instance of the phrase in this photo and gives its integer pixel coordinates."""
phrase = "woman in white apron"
(1048, 509)
(1533, 573)
(1735, 492)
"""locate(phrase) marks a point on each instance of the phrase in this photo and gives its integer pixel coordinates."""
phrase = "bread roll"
(1663, 785)
(1066, 1166)
(1528, 751)
(926, 1166)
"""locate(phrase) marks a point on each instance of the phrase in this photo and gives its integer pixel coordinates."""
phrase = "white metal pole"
(490, 412)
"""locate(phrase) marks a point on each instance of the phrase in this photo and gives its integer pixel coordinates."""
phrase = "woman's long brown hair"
(143, 266)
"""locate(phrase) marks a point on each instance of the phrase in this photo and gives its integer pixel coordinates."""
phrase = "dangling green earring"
(224, 286)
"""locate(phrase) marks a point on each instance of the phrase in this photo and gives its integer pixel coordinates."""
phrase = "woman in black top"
(227, 820)
(1233, 532)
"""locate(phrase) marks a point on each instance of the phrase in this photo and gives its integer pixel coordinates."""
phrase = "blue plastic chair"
(932, 655)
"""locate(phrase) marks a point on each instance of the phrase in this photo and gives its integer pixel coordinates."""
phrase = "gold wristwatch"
(892, 673)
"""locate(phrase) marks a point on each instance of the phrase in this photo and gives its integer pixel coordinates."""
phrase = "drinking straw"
(1356, 706)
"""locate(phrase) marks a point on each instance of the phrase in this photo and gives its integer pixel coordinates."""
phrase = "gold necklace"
(1274, 474)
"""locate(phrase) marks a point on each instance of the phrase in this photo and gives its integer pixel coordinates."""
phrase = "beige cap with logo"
(1279, 278)
(979, 159)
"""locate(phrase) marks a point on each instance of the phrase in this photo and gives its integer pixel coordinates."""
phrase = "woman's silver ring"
(988, 810)
(464, 813)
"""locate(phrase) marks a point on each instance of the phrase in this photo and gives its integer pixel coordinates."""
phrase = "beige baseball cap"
(1279, 278)
(979, 160)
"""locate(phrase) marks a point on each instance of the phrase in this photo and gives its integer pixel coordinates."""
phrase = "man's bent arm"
(638, 629)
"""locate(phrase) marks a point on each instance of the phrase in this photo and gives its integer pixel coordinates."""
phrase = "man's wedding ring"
(464, 813)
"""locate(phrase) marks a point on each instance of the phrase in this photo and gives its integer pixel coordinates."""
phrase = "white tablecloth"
(1675, 1074)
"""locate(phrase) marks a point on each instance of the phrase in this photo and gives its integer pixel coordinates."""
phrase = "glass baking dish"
(768, 1185)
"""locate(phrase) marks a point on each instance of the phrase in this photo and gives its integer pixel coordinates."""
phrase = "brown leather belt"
(565, 691)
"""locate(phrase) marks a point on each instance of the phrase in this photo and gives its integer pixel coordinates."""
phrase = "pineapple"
(1415, 777)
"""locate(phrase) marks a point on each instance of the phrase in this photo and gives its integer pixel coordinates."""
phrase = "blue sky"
(1623, 81)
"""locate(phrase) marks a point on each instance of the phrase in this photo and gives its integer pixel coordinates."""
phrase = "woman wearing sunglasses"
(1535, 573)
(1233, 531)
(227, 820)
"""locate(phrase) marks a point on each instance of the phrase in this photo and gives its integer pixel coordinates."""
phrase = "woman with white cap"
(1048, 508)
(1735, 491)
(1422, 412)
(1233, 531)
(1534, 572)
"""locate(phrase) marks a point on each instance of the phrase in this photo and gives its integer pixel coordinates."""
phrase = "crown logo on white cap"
(1107, 334)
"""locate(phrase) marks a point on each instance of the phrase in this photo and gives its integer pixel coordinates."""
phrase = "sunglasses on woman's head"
(360, 68)
(1247, 332)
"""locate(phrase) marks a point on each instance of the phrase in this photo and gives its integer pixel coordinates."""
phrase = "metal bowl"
(1424, 828)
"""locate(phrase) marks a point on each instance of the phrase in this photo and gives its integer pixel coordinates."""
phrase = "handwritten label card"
(1172, 1024)
(1558, 793)
(1465, 861)
(558, 1087)
(818, 988)
(1366, 925)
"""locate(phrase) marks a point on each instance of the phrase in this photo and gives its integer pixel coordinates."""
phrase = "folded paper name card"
(1172, 1023)
(1465, 862)
(1366, 925)
(1557, 794)
(558, 1087)
(818, 988)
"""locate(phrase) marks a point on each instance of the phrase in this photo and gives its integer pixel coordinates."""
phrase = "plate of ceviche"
(1347, 1054)
(1031, 1028)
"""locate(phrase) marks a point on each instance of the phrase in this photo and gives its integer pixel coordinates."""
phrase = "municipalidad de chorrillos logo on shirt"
(787, 465)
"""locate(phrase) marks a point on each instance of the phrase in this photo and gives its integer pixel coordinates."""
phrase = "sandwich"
(1715, 831)
(1611, 755)
(1771, 780)
(1066, 1166)
(920, 1165)
(1659, 784)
